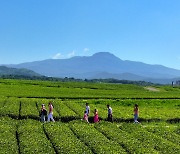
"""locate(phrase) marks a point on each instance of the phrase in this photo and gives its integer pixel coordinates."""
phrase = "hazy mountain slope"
(99, 63)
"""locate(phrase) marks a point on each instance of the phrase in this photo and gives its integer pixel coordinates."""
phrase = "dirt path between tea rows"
(152, 89)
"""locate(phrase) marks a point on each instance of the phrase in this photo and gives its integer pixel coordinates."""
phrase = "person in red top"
(136, 113)
(85, 116)
(96, 117)
(50, 115)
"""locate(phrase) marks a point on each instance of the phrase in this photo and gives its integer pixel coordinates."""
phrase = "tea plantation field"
(22, 132)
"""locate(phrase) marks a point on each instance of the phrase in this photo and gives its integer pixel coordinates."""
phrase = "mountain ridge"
(94, 66)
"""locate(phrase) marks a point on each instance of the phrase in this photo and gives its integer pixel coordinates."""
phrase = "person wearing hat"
(43, 113)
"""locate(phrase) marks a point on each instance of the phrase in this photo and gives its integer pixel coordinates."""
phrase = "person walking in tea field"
(136, 113)
(50, 115)
(43, 113)
(85, 117)
(87, 109)
(110, 119)
(96, 117)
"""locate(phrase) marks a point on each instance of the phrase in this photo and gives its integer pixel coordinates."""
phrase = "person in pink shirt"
(96, 117)
(50, 115)
(85, 116)
(136, 113)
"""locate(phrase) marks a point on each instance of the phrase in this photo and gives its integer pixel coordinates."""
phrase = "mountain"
(14, 71)
(101, 65)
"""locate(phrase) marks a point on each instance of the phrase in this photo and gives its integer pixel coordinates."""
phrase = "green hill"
(17, 72)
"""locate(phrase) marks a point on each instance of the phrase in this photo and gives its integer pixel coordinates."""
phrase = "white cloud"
(71, 54)
(57, 56)
(64, 56)
(85, 52)
(86, 49)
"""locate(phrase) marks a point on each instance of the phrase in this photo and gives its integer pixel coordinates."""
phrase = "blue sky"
(138, 30)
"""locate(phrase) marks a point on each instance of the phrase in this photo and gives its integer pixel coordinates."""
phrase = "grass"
(20, 102)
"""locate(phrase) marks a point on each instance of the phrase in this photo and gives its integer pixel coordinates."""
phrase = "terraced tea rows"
(24, 133)
(31, 136)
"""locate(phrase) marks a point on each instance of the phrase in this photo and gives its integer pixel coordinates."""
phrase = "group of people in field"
(109, 114)
(96, 117)
(43, 113)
